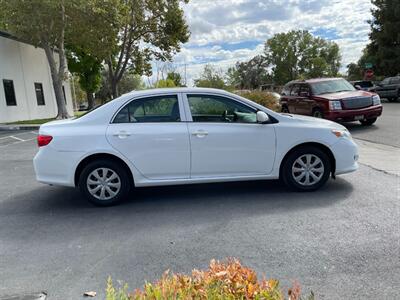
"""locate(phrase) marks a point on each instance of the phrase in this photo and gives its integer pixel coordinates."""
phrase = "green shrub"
(223, 280)
(267, 99)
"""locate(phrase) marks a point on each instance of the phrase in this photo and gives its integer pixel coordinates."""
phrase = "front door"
(149, 132)
(226, 139)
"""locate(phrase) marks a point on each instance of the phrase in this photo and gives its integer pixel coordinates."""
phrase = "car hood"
(344, 95)
(315, 122)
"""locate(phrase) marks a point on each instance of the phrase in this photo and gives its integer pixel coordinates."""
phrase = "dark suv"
(388, 88)
(331, 98)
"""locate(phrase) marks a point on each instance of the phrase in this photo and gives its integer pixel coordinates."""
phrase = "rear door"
(393, 86)
(383, 88)
(294, 98)
(150, 133)
(304, 104)
(226, 140)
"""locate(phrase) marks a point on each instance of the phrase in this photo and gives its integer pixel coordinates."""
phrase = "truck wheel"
(317, 113)
(368, 122)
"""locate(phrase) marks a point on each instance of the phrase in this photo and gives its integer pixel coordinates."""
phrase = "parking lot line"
(16, 138)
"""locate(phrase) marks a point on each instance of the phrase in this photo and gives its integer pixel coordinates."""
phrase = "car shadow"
(252, 197)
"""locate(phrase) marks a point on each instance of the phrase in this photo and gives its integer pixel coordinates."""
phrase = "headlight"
(342, 133)
(376, 100)
(335, 105)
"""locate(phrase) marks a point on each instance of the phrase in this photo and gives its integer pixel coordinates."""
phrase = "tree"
(88, 69)
(249, 75)
(148, 29)
(299, 54)
(211, 78)
(354, 71)
(51, 23)
(176, 78)
(165, 83)
(384, 46)
(129, 82)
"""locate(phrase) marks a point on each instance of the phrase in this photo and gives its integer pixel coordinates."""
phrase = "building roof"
(13, 37)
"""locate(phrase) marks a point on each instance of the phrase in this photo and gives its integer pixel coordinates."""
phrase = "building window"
(39, 93)
(9, 92)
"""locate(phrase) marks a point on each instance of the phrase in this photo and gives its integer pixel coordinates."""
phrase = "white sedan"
(188, 135)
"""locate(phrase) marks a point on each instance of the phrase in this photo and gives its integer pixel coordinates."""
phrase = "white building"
(26, 88)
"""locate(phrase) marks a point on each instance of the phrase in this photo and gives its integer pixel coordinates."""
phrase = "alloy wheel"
(103, 183)
(308, 169)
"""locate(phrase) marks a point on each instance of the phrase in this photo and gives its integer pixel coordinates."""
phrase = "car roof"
(153, 92)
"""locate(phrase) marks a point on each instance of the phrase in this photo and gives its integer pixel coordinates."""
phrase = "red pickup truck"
(331, 98)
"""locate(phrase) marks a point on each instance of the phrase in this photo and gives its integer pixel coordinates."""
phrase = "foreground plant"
(223, 280)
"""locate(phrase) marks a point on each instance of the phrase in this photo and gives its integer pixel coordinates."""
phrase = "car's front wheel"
(104, 182)
(306, 169)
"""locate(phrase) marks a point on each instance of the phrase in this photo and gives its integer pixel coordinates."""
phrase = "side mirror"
(262, 117)
(357, 87)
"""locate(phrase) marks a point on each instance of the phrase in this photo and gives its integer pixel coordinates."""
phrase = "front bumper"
(354, 114)
(346, 156)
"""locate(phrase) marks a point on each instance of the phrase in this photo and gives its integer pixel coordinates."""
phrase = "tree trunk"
(90, 100)
(114, 88)
(57, 84)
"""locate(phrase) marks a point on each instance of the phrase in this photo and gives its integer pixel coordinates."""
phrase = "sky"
(226, 31)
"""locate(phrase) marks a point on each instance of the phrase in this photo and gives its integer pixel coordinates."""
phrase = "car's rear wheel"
(285, 109)
(104, 183)
(368, 122)
(306, 169)
(317, 113)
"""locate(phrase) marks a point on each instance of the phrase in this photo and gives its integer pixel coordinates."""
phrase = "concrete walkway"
(380, 157)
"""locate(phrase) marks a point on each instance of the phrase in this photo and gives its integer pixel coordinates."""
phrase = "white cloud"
(225, 31)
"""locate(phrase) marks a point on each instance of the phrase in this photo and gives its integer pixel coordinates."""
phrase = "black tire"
(368, 122)
(287, 174)
(318, 113)
(124, 180)
(285, 109)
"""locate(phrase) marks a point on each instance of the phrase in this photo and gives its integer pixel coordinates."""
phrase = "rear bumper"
(55, 167)
(353, 114)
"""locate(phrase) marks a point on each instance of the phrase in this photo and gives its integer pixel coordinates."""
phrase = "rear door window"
(151, 109)
(295, 90)
(286, 90)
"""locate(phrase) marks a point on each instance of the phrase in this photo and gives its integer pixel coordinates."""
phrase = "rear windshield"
(331, 86)
(89, 111)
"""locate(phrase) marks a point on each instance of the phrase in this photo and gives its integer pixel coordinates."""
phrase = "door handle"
(122, 134)
(200, 133)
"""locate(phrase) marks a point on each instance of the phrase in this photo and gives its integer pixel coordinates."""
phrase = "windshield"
(331, 86)
(364, 84)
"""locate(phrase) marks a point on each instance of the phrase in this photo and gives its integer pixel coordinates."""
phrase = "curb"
(19, 127)
(34, 296)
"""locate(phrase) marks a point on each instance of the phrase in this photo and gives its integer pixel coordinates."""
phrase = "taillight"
(43, 140)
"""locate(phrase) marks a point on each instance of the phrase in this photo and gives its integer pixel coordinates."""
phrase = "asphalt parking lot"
(342, 242)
